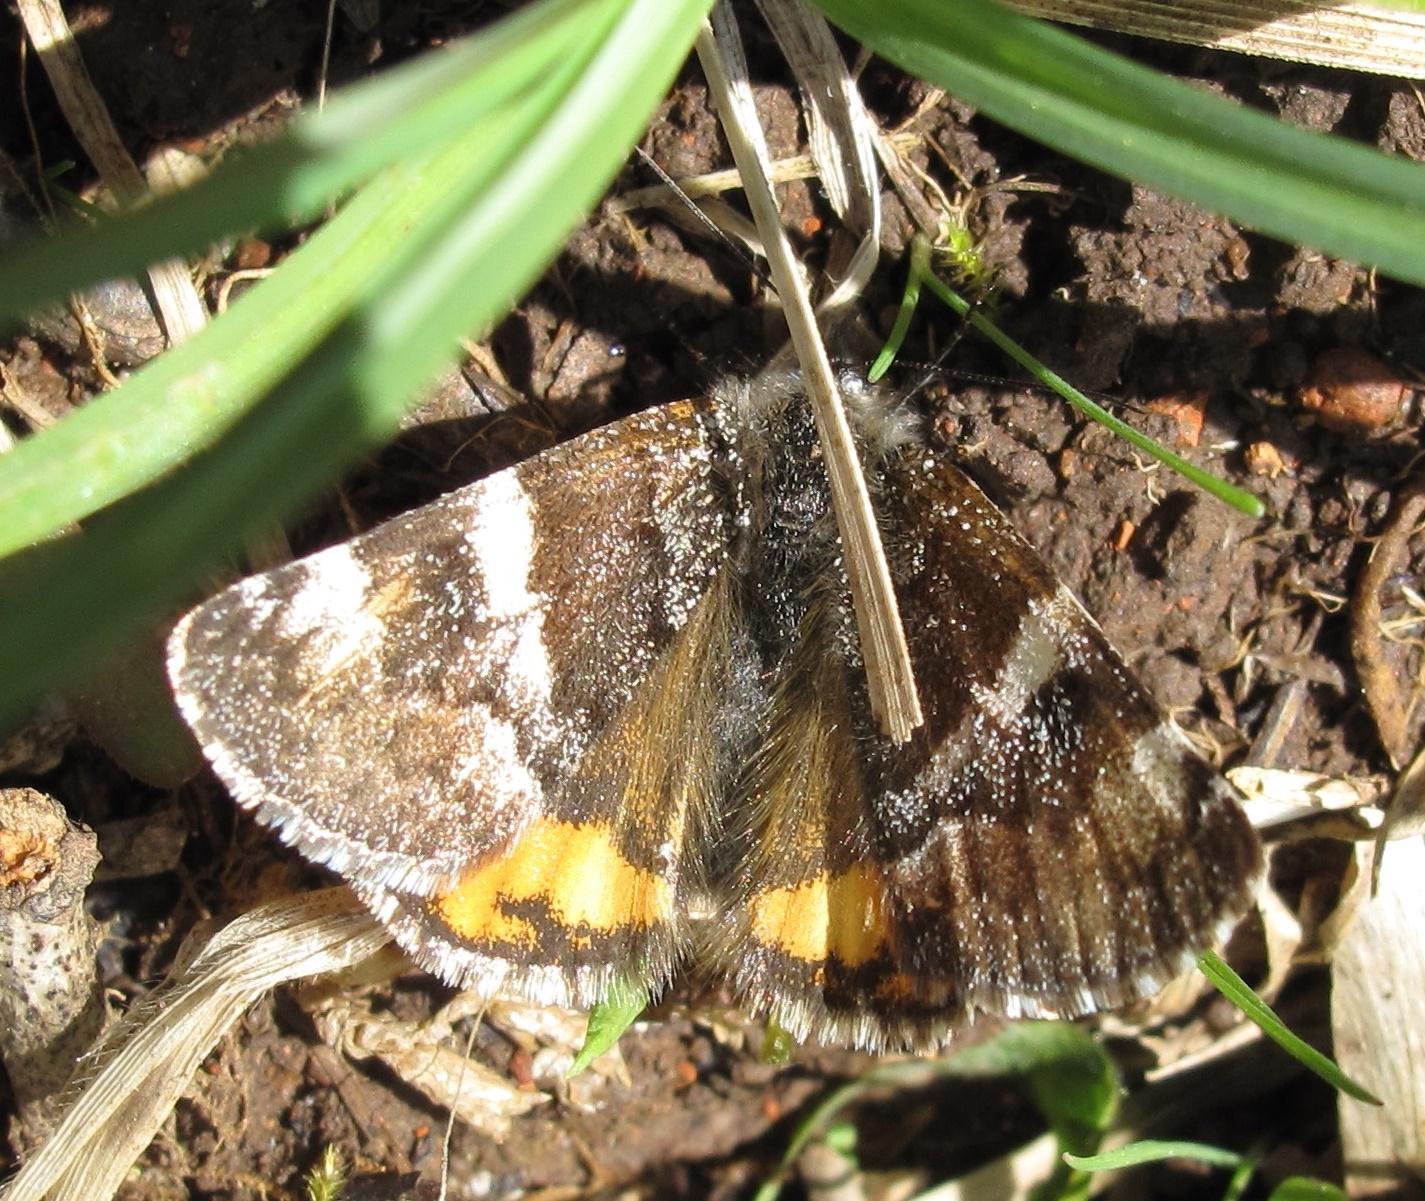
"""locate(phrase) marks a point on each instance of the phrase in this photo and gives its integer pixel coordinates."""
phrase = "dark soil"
(1206, 332)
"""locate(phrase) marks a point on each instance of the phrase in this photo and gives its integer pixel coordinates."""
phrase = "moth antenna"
(699, 215)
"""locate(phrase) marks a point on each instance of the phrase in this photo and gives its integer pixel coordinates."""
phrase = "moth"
(603, 714)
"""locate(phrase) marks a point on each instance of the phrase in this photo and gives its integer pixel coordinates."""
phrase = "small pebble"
(1188, 410)
(1262, 458)
(1351, 392)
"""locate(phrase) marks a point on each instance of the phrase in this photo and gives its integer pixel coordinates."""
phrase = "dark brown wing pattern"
(489, 713)
(1048, 844)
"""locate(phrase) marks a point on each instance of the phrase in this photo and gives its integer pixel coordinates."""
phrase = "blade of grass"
(435, 284)
(1232, 986)
(1154, 1151)
(182, 402)
(186, 399)
(1344, 199)
(399, 115)
(921, 272)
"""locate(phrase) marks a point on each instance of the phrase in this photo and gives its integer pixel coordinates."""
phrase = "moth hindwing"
(604, 712)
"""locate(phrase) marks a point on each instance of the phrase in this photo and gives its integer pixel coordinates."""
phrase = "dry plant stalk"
(144, 1063)
(1378, 1027)
(1357, 37)
(890, 679)
(182, 308)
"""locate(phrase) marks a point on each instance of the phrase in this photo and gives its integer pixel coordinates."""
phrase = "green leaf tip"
(1235, 989)
(610, 1016)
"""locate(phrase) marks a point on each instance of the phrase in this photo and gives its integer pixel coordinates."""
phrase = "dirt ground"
(1209, 335)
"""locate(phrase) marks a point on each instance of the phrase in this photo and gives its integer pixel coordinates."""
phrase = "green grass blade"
(1232, 986)
(182, 402)
(407, 111)
(1242, 501)
(1154, 1151)
(460, 267)
(922, 273)
(1344, 199)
